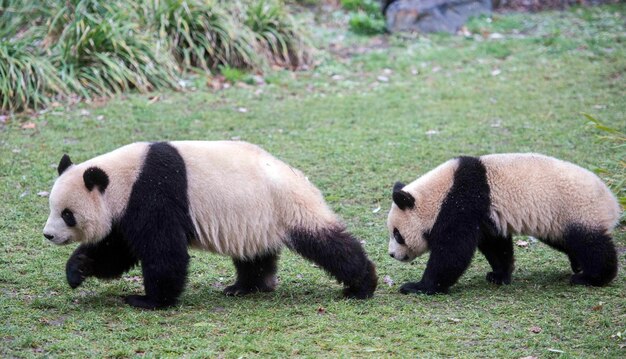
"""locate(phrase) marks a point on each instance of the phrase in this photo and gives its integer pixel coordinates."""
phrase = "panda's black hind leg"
(254, 275)
(594, 252)
(499, 253)
(341, 255)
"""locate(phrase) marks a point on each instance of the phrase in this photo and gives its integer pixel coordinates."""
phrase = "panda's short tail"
(340, 254)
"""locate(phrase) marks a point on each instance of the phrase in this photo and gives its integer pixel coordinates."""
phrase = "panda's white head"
(78, 212)
(406, 230)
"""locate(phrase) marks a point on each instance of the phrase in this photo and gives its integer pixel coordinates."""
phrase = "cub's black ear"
(64, 164)
(401, 198)
(94, 176)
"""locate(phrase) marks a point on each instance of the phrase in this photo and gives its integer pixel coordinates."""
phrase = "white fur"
(538, 195)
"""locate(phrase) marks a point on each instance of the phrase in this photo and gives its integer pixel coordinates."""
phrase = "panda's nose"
(392, 255)
(48, 236)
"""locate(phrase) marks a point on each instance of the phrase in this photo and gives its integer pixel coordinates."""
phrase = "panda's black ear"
(94, 176)
(402, 198)
(64, 164)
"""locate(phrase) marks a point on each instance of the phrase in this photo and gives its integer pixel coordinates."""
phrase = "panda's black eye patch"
(397, 236)
(68, 217)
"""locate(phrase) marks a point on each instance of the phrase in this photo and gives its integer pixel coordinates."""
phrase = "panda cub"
(468, 203)
(148, 202)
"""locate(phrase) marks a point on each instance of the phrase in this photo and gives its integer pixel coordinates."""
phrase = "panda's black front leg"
(164, 261)
(450, 255)
(107, 259)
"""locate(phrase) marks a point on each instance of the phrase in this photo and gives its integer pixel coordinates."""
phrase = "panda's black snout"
(48, 236)
(392, 255)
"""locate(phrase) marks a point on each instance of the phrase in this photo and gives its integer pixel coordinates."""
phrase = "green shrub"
(366, 17)
(99, 48)
(277, 33)
(97, 44)
(202, 34)
(27, 80)
(364, 24)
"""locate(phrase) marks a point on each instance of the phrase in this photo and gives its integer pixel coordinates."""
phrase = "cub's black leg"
(164, 261)
(340, 254)
(446, 263)
(595, 253)
(254, 275)
(107, 259)
(573, 262)
(499, 253)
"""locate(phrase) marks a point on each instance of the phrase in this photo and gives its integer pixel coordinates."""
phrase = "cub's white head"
(406, 231)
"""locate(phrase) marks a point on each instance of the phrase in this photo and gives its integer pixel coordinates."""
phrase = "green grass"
(353, 135)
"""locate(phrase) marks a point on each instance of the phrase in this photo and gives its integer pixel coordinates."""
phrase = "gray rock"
(432, 15)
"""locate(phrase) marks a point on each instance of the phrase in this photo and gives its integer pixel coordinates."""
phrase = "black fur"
(341, 255)
(457, 229)
(401, 198)
(593, 252)
(254, 275)
(64, 164)
(154, 230)
(68, 217)
(94, 176)
(499, 253)
(107, 259)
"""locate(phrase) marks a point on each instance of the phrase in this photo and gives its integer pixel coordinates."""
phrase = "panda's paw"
(579, 279)
(417, 287)
(499, 278)
(238, 290)
(143, 302)
(364, 288)
(77, 269)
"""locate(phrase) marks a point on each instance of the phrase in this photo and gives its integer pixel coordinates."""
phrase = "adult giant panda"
(470, 202)
(148, 202)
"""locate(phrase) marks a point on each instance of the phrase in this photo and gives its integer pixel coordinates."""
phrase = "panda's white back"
(243, 201)
(539, 195)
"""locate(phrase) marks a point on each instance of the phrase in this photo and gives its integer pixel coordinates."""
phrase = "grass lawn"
(374, 110)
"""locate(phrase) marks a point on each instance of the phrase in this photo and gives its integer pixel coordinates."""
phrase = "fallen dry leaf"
(521, 243)
(529, 357)
(382, 78)
(535, 329)
(387, 280)
(43, 193)
(454, 320)
(28, 126)
(376, 210)
(242, 109)
(153, 99)
(496, 72)
(597, 307)
(321, 310)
